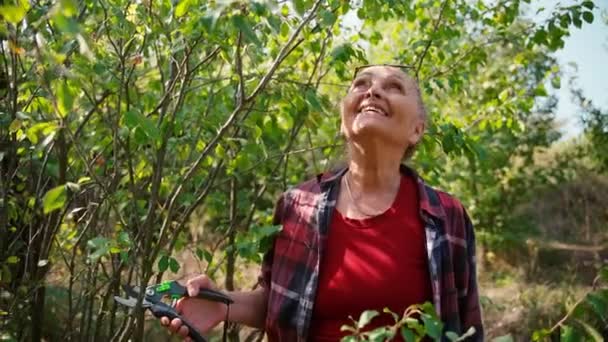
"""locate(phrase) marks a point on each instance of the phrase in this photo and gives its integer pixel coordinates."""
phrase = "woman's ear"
(418, 132)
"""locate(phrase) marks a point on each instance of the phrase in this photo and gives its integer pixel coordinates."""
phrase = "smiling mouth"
(372, 110)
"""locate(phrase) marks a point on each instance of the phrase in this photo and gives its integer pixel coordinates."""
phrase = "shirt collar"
(429, 201)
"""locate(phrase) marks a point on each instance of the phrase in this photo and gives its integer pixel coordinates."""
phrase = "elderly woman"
(370, 236)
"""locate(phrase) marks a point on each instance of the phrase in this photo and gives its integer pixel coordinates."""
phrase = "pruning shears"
(153, 300)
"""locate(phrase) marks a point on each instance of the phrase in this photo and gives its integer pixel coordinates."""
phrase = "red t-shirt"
(372, 264)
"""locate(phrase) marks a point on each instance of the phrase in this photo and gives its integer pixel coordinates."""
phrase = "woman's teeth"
(372, 110)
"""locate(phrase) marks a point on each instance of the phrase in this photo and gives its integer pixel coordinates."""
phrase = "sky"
(588, 48)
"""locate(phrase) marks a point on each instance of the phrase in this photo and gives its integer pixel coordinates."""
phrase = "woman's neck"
(374, 170)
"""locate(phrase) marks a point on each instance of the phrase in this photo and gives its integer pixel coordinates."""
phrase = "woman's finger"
(176, 323)
(193, 285)
(183, 331)
(179, 306)
(164, 321)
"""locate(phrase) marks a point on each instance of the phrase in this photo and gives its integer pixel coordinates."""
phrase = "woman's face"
(382, 103)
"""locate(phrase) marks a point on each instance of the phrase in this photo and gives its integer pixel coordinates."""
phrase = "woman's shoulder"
(445, 206)
(448, 200)
(313, 184)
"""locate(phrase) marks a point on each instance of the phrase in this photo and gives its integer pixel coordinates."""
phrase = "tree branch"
(285, 51)
(420, 59)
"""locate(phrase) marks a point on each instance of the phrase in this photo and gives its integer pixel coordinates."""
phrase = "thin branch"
(91, 112)
(285, 51)
(456, 63)
(420, 59)
(573, 308)
(240, 97)
(173, 81)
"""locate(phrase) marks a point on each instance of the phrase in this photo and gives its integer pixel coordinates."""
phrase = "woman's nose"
(373, 91)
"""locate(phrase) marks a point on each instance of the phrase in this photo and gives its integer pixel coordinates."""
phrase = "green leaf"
(124, 240)
(381, 334)
(588, 4)
(299, 6)
(328, 18)
(284, 29)
(540, 334)
(12, 259)
(135, 120)
(47, 128)
(124, 256)
(163, 263)
(504, 95)
(203, 254)
(447, 142)
(99, 247)
(604, 273)
(311, 98)
(15, 126)
(66, 24)
(591, 331)
(54, 199)
(267, 230)
(65, 99)
(182, 8)
(427, 307)
(348, 328)
(567, 334)
(433, 326)
(285, 121)
(173, 265)
(540, 91)
(588, 17)
(556, 82)
(83, 180)
(239, 22)
(540, 37)
(6, 276)
(408, 334)
(366, 317)
(599, 304)
(564, 20)
(220, 151)
(68, 8)
(13, 14)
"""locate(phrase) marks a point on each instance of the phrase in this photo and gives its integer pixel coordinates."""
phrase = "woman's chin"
(369, 127)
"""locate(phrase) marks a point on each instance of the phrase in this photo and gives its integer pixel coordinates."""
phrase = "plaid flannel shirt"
(290, 270)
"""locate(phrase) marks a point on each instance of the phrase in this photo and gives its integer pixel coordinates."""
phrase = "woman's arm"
(249, 308)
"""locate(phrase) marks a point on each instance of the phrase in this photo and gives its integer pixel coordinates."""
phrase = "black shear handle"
(208, 294)
(160, 311)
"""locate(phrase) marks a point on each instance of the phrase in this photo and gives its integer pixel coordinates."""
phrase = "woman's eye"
(359, 84)
(395, 86)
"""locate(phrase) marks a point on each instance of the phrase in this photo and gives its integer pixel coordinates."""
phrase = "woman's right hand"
(202, 314)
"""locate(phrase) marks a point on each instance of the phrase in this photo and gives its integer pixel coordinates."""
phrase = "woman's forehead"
(385, 71)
